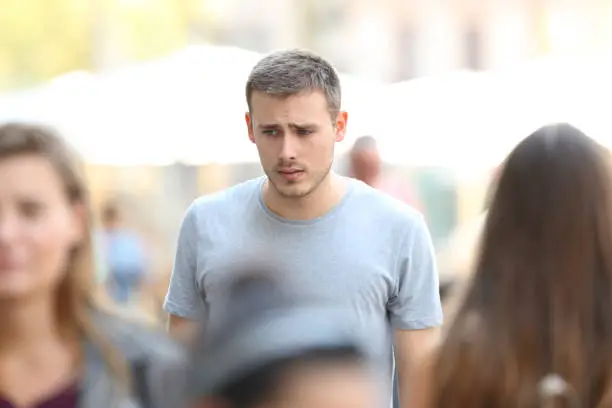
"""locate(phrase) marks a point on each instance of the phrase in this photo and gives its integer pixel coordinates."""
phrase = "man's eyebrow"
(303, 125)
(291, 125)
(268, 126)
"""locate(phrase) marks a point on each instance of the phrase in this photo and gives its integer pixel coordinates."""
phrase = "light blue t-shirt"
(371, 253)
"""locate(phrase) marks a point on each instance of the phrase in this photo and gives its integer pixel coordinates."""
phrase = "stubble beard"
(299, 193)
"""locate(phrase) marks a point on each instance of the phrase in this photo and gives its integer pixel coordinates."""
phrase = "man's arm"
(183, 302)
(415, 310)
(413, 356)
(181, 329)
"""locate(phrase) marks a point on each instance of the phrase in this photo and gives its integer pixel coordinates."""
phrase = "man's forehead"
(314, 100)
(289, 117)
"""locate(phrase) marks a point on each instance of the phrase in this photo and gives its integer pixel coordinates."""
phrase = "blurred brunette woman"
(535, 327)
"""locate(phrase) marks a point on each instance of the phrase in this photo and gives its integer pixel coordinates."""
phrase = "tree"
(43, 39)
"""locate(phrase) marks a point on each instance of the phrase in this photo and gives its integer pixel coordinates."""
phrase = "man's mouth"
(291, 174)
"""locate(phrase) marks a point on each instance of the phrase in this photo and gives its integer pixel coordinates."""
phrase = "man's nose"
(289, 147)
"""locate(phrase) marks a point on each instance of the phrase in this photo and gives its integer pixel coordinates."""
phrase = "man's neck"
(316, 204)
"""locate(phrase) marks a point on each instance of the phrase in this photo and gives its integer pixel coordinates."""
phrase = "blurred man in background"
(125, 257)
(366, 165)
(365, 162)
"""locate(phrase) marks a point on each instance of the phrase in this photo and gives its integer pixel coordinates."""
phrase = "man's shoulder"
(226, 200)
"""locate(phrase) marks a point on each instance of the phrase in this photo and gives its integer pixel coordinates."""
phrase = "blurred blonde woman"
(58, 348)
(535, 326)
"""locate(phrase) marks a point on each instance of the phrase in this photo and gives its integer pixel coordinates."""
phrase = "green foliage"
(151, 28)
(40, 39)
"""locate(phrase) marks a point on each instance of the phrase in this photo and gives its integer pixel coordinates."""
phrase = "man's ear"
(249, 123)
(341, 123)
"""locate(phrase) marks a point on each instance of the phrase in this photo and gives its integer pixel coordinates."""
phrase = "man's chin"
(295, 192)
(292, 189)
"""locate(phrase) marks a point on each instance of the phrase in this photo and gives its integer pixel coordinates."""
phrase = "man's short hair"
(287, 73)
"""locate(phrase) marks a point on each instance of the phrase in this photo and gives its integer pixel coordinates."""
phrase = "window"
(473, 49)
(255, 37)
(406, 53)
(329, 14)
(325, 21)
(326, 29)
(252, 37)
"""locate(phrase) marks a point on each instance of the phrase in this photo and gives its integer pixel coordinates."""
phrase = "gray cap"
(278, 331)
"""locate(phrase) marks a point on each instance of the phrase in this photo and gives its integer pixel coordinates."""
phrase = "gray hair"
(289, 72)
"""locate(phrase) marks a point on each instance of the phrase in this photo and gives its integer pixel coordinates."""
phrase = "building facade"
(402, 39)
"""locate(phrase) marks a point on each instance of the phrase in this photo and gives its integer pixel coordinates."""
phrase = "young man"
(338, 237)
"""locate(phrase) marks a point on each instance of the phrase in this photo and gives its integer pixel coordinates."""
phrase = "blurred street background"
(151, 92)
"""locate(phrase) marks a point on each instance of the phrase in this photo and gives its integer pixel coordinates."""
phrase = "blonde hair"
(77, 296)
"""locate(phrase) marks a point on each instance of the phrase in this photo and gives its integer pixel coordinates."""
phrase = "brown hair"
(540, 303)
(76, 298)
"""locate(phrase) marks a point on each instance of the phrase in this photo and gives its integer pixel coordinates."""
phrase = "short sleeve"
(416, 304)
(183, 298)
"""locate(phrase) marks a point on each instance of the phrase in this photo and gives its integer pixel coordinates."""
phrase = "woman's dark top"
(65, 398)
(156, 361)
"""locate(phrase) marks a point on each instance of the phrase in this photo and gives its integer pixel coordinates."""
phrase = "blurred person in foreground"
(535, 327)
(273, 351)
(366, 165)
(58, 345)
(339, 237)
(125, 257)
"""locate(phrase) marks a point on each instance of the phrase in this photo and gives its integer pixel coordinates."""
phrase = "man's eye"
(304, 132)
(270, 132)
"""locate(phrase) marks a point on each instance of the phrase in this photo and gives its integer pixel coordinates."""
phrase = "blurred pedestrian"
(58, 345)
(124, 255)
(338, 237)
(275, 351)
(535, 326)
(366, 165)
